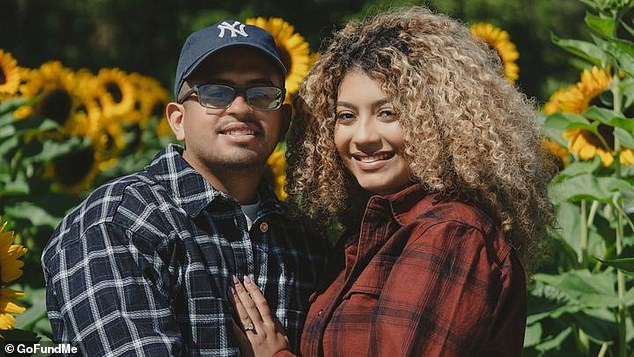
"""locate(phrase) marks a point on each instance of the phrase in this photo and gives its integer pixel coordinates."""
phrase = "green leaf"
(579, 168)
(52, 149)
(36, 300)
(540, 307)
(601, 114)
(587, 289)
(626, 86)
(624, 264)
(625, 137)
(9, 144)
(35, 214)
(589, 187)
(603, 25)
(564, 121)
(9, 106)
(26, 126)
(18, 186)
(626, 27)
(554, 342)
(586, 50)
(624, 45)
(598, 329)
(609, 117)
(621, 53)
(533, 334)
(568, 226)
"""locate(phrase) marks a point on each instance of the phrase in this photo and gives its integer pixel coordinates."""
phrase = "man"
(143, 265)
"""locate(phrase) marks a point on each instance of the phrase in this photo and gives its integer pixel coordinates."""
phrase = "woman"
(411, 136)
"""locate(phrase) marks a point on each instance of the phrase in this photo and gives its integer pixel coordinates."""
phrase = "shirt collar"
(191, 191)
(407, 204)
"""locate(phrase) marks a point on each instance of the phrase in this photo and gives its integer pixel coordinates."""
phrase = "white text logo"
(234, 31)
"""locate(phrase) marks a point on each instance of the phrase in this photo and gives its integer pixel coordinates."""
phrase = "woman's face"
(368, 135)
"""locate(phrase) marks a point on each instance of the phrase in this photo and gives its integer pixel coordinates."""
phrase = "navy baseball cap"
(227, 33)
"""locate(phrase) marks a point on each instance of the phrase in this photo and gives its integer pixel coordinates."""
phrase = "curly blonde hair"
(468, 133)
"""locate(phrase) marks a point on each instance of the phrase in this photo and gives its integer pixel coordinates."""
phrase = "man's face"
(238, 137)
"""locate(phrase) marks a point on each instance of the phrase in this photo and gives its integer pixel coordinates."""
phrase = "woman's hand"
(263, 331)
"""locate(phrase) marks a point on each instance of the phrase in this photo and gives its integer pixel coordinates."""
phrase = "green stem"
(584, 342)
(618, 205)
(617, 143)
(593, 212)
(583, 233)
(603, 350)
(620, 278)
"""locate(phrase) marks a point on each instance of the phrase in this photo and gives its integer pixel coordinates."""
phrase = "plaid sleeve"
(100, 296)
(439, 297)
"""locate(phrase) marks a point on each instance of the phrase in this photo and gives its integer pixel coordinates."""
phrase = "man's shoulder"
(111, 204)
(124, 192)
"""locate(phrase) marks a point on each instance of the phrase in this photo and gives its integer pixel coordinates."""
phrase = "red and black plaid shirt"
(423, 278)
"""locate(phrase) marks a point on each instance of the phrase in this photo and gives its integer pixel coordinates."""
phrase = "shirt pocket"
(207, 309)
(372, 278)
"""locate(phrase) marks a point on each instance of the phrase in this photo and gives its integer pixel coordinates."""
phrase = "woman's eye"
(344, 116)
(386, 113)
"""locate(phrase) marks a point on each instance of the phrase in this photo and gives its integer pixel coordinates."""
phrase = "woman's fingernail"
(247, 280)
(235, 279)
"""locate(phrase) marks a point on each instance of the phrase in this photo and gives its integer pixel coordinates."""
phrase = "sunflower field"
(65, 131)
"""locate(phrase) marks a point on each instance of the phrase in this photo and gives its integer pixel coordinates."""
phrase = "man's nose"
(239, 106)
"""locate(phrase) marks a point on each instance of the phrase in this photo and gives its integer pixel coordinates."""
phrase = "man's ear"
(287, 113)
(175, 114)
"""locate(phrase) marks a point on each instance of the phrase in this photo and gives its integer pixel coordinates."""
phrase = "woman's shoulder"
(433, 209)
(459, 226)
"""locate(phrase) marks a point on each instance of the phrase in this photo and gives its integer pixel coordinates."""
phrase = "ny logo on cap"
(234, 31)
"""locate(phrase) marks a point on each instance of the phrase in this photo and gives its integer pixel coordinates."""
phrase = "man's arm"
(99, 296)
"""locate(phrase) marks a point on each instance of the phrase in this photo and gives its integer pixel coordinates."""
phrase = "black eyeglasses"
(220, 96)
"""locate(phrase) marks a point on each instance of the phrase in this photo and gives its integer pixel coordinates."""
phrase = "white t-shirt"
(251, 212)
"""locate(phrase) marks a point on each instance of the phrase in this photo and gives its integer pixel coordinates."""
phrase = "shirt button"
(320, 312)
(264, 227)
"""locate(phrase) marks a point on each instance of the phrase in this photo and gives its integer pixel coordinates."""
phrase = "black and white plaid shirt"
(143, 265)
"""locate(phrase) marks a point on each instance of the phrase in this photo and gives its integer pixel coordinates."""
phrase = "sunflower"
(577, 99)
(566, 100)
(277, 164)
(9, 75)
(10, 270)
(151, 99)
(499, 40)
(293, 48)
(627, 156)
(587, 145)
(117, 94)
(10, 265)
(75, 171)
(557, 150)
(87, 119)
(54, 85)
(9, 307)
